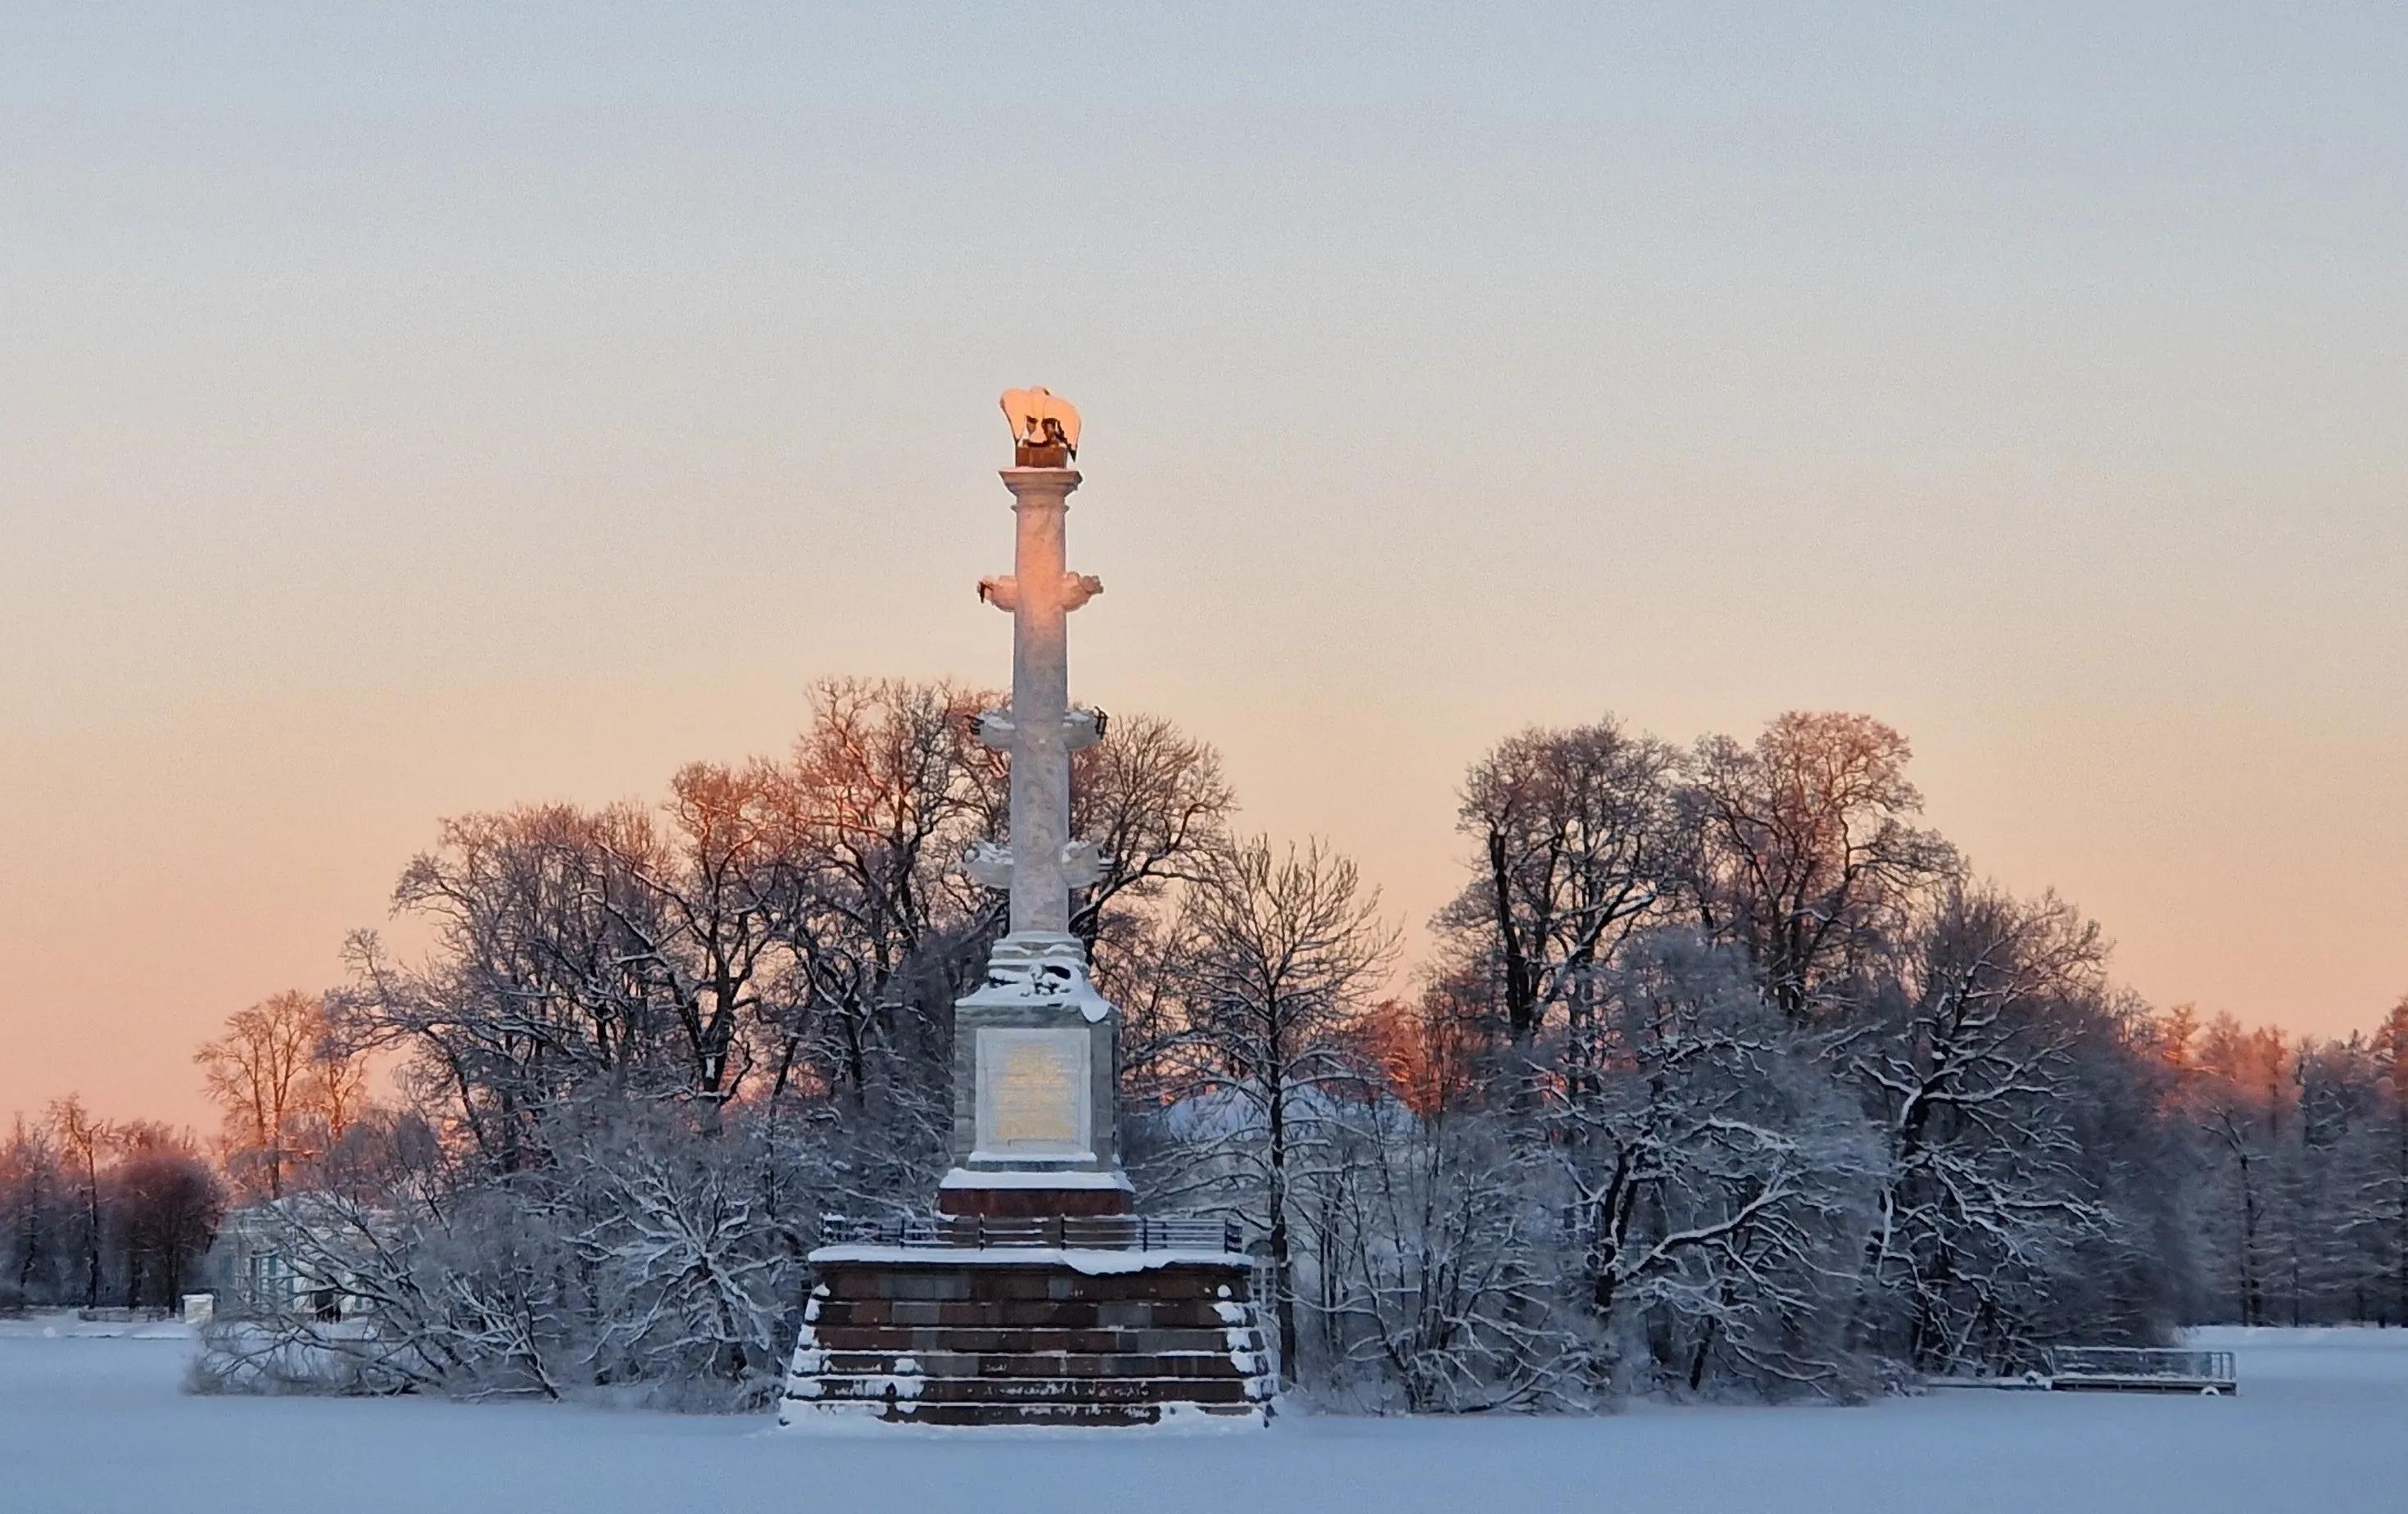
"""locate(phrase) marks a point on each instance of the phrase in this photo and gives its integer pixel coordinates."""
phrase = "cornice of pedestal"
(1038, 970)
(1040, 480)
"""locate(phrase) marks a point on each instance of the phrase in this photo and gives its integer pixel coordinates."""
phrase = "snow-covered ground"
(92, 1419)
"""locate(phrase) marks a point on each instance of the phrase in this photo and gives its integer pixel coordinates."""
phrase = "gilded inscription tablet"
(1032, 1091)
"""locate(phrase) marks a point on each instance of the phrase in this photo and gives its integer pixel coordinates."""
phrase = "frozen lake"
(97, 1423)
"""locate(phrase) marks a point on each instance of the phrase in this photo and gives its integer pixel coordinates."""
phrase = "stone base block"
(1022, 1194)
(1032, 1202)
(1011, 1336)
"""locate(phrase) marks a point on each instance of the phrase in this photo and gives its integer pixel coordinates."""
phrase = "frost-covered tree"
(2297, 1178)
(651, 1256)
(33, 1216)
(1867, 1069)
(2242, 1097)
(1437, 1265)
(1725, 1081)
(2377, 1202)
(1968, 1074)
(649, 1052)
(1278, 954)
(1717, 1180)
(165, 1204)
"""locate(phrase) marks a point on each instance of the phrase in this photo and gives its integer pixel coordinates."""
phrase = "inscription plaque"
(1032, 1093)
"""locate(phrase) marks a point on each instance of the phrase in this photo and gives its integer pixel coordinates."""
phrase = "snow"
(92, 1419)
(963, 1177)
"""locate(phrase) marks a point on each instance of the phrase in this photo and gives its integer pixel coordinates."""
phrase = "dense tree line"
(1728, 1078)
(2298, 1170)
(100, 1214)
(1733, 1080)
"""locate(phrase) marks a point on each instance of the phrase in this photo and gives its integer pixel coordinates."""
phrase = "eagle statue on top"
(1044, 427)
(1045, 434)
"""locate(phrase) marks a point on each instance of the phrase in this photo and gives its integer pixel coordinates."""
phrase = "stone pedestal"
(1035, 1049)
(1028, 1335)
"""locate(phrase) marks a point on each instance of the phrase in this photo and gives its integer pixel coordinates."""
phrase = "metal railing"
(2134, 1366)
(1096, 1232)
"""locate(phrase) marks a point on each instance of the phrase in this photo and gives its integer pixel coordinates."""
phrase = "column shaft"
(1040, 691)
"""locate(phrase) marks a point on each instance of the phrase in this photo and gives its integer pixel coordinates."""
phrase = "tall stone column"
(1041, 698)
(1089, 1316)
(1035, 1047)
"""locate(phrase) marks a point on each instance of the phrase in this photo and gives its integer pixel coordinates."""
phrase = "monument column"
(1036, 1047)
(1041, 698)
(1036, 1297)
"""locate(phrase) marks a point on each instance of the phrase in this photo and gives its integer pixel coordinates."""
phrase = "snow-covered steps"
(1028, 1336)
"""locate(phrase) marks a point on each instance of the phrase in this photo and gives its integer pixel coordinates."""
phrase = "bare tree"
(82, 1139)
(1806, 855)
(540, 979)
(703, 921)
(886, 792)
(285, 1087)
(336, 1093)
(1576, 848)
(1280, 952)
(1154, 801)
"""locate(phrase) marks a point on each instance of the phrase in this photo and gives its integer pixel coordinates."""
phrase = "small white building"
(260, 1271)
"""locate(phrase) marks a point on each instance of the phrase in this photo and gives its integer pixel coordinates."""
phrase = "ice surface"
(92, 1419)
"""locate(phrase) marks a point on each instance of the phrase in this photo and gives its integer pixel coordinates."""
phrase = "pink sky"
(402, 419)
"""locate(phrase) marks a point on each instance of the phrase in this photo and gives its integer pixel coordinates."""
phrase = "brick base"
(982, 1337)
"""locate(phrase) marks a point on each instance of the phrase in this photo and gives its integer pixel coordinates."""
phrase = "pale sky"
(410, 411)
